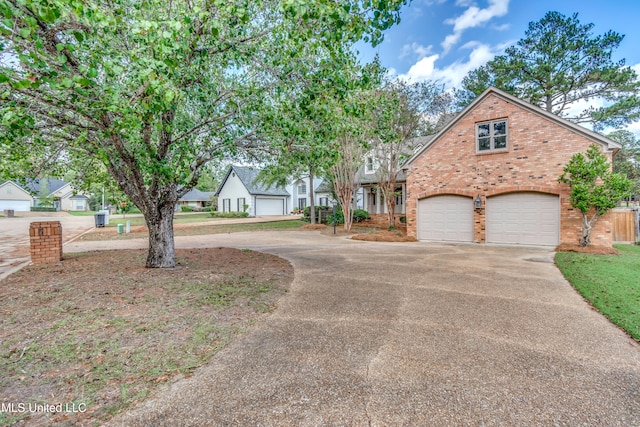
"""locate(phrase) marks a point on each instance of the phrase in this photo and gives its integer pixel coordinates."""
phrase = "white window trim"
(370, 165)
(491, 137)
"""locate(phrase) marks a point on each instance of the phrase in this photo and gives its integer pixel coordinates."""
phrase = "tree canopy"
(154, 90)
(627, 160)
(558, 64)
(595, 189)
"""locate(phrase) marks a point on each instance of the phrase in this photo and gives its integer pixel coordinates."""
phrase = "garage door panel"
(270, 206)
(523, 218)
(446, 218)
(16, 205)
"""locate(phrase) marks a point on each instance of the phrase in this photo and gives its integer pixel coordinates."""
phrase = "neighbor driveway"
(14, 235)
(409, 334)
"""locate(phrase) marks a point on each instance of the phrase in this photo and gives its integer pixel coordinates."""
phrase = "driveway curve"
(409, 334)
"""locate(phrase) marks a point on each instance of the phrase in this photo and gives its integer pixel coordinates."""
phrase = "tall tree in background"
(309, 119)
(154, 90)
(559, 63)
(401, 112)
(354, 134)
(627, 160)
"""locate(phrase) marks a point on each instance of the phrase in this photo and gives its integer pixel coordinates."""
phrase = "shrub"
(403, 219)
(230, 214)
(360, 215)
(306, 217)
(185, 208)
(42, 209)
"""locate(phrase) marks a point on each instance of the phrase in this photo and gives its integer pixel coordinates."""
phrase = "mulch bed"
(384, 236)
(591, 249)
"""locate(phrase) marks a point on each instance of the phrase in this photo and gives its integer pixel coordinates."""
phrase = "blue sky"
(444, 39)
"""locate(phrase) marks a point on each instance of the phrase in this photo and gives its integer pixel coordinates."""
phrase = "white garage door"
(523, 218)
(270, 206)
(16, 205)
(446, 218)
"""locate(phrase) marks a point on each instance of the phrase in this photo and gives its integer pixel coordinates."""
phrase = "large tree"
(558, 64)
(401, 111)
(627, 160)
(154, 90)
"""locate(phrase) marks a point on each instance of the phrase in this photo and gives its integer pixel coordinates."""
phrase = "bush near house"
(230, 214)
(360, 215)
(324, 215)
(186, 208)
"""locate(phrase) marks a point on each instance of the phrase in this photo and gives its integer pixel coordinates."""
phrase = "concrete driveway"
(409, 334)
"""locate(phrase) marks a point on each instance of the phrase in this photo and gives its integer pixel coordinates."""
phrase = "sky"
(444, 39)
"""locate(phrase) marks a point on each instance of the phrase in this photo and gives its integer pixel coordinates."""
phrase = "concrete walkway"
(415, 334)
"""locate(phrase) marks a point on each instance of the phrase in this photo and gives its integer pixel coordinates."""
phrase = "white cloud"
(452, 75)
(415, 48)
(471, 18)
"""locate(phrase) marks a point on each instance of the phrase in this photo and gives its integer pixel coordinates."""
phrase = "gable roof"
(195, 195)
(36, 185)
(324, 187)
(249, 178)
(591, 135)
(21, 188)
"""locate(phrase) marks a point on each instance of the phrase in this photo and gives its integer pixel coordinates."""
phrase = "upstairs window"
(491, 136)
(302, 188)
(370, 165)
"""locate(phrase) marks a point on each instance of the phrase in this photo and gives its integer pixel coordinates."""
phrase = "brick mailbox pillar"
(46, 242)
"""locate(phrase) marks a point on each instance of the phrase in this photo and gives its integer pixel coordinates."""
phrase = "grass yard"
(178, 218)
(81, 213)
(186, 229)
(99, 332)
(611, 283)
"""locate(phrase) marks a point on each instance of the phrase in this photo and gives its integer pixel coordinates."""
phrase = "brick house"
(491, 176)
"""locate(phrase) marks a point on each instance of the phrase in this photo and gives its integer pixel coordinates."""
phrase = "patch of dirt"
(313, 227)
(591, 249)
(384, 236)
(101, 331)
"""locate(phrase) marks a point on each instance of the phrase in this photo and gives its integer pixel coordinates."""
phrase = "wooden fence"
(625, 224)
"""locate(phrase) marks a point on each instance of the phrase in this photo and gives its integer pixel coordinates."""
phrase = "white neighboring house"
(14, 197)
(20, 199)
(300, 197)
(196, 198)
(239, 188)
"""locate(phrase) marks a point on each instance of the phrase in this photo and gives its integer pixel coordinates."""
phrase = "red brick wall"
(46, 242)
(538, 150)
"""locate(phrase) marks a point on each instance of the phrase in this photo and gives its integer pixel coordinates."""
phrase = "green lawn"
(610, 283)
(114, 220)
(81, 213)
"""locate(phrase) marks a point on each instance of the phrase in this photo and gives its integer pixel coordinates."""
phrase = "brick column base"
(46, 242)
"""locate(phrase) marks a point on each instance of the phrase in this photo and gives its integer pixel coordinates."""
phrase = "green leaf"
(25, 32)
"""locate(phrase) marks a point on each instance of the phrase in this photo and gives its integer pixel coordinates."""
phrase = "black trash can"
(99, 217)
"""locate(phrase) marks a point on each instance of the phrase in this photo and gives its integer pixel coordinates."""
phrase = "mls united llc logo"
(20, 408)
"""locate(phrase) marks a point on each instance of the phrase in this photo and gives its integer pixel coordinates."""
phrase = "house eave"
(608, 144)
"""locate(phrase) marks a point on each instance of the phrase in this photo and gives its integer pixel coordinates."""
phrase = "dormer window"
(491, 136)
(370, 165)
